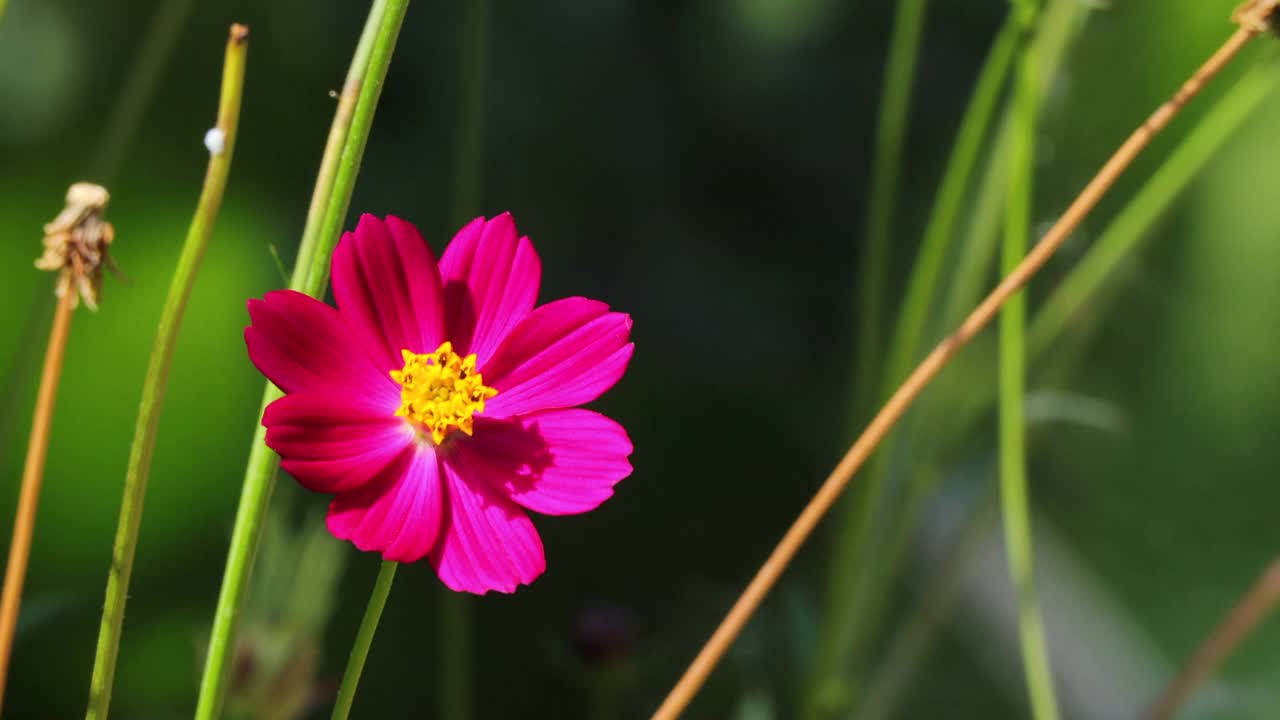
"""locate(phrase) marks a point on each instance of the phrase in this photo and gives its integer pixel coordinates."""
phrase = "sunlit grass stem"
(310, 275)
(455, 656)
(882, 201)
(729, 629)
(364, 639)
(1015, 502)
(157, 377)
(32, 475)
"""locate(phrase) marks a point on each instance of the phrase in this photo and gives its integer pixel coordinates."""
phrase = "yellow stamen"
(441, 391)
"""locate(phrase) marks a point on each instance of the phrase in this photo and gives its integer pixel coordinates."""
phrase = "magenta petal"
(491, 279)
(387, 286)
(565, 353)
(330, 447)
(301, 344)
(487, 541)
(556, 462)
(398, 514)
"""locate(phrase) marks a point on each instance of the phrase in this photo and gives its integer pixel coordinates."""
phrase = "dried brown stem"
(1253, 19)
(32, 473)
(1243, 619)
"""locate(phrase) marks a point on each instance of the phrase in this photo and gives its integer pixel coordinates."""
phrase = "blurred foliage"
(702, 166)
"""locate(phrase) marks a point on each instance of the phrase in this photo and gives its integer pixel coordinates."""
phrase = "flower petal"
(487, 541)
(491, 280)
(398, 514)
(387, 286)
(329, 447)
(300, 343)
(565, 353)
(556, 462)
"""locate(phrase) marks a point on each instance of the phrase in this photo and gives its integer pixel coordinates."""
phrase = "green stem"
(344, 179)
(455, 608)
(1015, 503)
(364, 638)
(157, 378)
(368, 70)
(881, 204)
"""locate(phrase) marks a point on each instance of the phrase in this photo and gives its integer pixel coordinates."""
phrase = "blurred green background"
(703, 166)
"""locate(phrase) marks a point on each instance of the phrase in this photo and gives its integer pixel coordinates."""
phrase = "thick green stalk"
(364, 638)
(1015, 503)
(468, 164)
(310, 276)
(157, 378)
(895, 100)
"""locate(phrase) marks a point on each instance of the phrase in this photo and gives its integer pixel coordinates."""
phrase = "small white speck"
(215, 140)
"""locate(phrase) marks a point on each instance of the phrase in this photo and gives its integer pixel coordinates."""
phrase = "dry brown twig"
(1253, 17)
(76, 246)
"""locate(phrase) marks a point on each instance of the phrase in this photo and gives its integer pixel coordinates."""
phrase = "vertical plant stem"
(364, 638)
(455, 659)
(1014, 500)
(1254, 22)
(886, 168)
(157, 378)
(32, 474)
(310, 276)
(1244, 618)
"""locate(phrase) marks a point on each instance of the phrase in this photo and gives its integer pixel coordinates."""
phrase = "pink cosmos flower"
(437, 403)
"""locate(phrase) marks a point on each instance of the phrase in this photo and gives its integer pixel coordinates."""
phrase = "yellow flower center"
(440, 391)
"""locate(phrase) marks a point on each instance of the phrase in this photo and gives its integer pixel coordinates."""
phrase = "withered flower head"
(76, 243)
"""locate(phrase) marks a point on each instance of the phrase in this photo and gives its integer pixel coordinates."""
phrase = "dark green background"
(702, 166)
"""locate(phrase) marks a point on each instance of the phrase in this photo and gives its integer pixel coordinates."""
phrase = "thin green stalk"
(468, 161)
(344, 180)
(3, 4)
(909, 331)
(364, 638)
(157, 378)
(310, 276)
(1129, 227)
(895, 100)
(1015, 504)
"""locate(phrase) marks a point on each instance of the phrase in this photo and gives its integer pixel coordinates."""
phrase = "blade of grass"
(157, 377)
(886, 167)
(364, 81)
(1015, 502)
(1254, 22)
